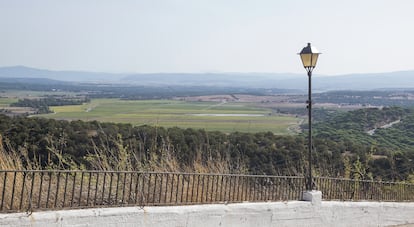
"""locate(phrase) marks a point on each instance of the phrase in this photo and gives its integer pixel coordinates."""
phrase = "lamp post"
(309, 56)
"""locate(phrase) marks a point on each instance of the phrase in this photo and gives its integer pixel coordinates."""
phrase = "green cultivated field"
(225, 117)
(5, 102)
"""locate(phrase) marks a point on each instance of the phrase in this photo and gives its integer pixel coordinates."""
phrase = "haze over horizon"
(207, 36)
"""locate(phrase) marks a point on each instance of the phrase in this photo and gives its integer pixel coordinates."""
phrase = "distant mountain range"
(389, 80)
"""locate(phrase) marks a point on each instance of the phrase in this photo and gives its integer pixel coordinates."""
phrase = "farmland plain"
(209, 115)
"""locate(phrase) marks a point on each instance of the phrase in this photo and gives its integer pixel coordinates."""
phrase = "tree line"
(42, 104)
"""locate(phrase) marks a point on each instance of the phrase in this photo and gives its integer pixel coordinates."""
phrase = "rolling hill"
(388, 80)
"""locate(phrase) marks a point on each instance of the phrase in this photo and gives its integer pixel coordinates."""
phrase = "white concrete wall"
(295, 213)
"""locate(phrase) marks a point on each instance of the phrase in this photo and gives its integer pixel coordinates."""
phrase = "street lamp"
(309, 56)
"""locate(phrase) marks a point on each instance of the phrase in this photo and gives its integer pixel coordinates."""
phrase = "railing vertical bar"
(244, 189)
(263, 188)
(40, 190)
(237, 180)
(202, 189)
(123, 189)
(212, 188)
(198, 186)
(89, 188)
(155, 188)
(225, 188)
(298, 189)
(130, 188)
(234, 184)
(22, 192)
(161, 187)
(177, 189)
(136, 188)
(182, 188)
(295, 187)
(286, 189)
(217, 186)
(347, 192)
(254, 189)
(270, 189)
(13, 189)
(172, 188)
(57, 189)
(242, 185)
(4, 190)
(221, 188)
(166, 187)
(192, 188)
(329, 185)
(103, 189)
(333, 191)
(277, 189)
(110, 188)
(245, 186)
(230, 178)
(381, 189)
(234, 197)
(142, 200)
(207, 186)
(81, 188)
(65, 188)
(188, 188)
(272, 192)
(31, 191)
(148, 198)
(146, 193)
(73, 189)
(48, 189)
(390, 192)
(117, 188)
(96, 189)
(248, 190)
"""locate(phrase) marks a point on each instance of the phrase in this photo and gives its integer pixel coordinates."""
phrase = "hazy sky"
(355, 36)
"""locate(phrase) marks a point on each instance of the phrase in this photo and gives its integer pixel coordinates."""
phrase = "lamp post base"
(315, 197)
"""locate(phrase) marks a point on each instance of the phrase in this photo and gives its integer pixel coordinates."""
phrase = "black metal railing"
(30, 190)
(43, 189)
(357, 190)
